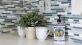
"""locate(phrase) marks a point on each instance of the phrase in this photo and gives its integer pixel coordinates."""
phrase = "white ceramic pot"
(42, 33)
(21, 31)
(30, 32)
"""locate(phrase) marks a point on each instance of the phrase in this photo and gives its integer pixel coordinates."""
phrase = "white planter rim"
(27, 27)
(42, 27)
(30, 28)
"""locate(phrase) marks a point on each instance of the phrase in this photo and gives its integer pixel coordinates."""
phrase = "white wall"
(41, 6)
(47, 6)
(76, 7)
(81, 7)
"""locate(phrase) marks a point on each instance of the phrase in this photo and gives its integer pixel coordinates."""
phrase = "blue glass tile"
(76, 20)
(48, 18)
(76, 34)
(66, 2)
(60, 11)
(55, 5)
(69, 13)
(5, 13)
(77, 27)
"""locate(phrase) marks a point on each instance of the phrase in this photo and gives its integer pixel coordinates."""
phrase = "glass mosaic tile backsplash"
(12, 10)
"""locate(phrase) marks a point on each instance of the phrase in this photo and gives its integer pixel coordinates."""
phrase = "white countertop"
(14, 39)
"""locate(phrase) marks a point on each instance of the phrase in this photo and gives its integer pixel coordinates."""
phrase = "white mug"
(42, 33)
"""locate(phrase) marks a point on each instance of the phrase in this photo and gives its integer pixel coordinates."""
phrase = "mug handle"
(48, 32)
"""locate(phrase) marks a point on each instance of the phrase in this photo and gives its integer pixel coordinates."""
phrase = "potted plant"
(20, 27)
(41, 29)
(31, 20)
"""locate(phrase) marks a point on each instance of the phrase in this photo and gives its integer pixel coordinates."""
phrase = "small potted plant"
(41, 29)
(31, 20)
(20, 27)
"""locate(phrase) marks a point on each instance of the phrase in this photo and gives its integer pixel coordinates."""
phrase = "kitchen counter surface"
(14, 39)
